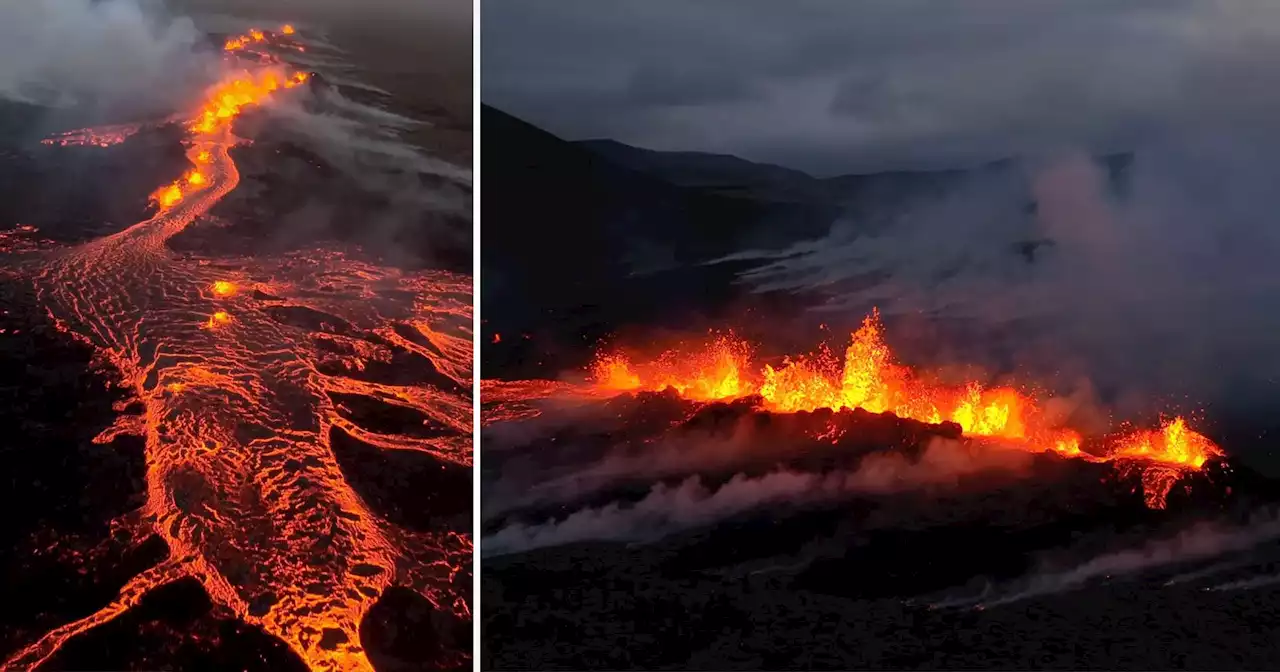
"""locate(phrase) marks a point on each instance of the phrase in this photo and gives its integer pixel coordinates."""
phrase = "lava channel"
(242, 480)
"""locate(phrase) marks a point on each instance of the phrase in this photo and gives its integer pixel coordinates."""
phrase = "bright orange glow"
(256, 35)
(868, 378)
(287, 29)
(1174, 443)
(167, 197)
(223, 102)
(239, 417)
(218, 319)
(226, 99)
(100, 136)
(713, 372)
(614, 372)
(224, 288)
(1164, 455)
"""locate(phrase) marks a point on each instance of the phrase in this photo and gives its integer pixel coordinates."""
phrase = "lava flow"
(869, 378)
(237, 365)
(103, 136)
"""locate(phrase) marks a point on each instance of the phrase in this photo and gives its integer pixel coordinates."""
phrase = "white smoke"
(1130, 288)
(667, 509)
(1200, 542)
(1250, 583)
(114, 55)
(1211, 570)
(364, 140)
(664, 510)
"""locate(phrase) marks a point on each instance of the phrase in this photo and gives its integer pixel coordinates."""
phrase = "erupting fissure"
(869, 378)
(222, 104)
(238, 394)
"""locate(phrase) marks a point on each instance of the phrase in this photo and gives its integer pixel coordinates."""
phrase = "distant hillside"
(731, 175)
(581, 238)
(573, 244)
(719, 172)
(76, 193)
(636, 213)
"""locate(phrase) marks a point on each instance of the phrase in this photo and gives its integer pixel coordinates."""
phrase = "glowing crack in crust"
(102, 136)
(242, 482)
(869, 378)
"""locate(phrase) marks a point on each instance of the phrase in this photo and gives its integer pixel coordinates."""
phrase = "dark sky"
(839, 86)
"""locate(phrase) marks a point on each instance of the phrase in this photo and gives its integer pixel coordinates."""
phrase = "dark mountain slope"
(583, 239)
(574, 245)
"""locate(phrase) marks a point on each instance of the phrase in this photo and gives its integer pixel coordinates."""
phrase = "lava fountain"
(238, 412)
(869, 377)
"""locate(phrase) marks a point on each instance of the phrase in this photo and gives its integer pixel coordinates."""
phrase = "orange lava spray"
(869, 378)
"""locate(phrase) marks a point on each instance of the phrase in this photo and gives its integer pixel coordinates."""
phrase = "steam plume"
(1071, 269)
(668, 509)
(116, 56)
(1200, 542)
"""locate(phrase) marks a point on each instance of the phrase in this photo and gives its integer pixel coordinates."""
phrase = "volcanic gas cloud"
(869, 377)
(247, 370)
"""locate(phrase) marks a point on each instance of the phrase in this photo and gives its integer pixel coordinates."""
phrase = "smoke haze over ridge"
(118, 56)
(1164, 293)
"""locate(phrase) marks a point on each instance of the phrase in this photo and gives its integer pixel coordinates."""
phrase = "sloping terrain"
(241, 437)
(931, 557)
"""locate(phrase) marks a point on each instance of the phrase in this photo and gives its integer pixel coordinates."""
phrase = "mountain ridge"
(590, 237)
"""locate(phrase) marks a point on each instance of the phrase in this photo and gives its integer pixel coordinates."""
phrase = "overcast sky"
(839, 86)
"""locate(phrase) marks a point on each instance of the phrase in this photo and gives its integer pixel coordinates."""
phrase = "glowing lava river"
(243, 373)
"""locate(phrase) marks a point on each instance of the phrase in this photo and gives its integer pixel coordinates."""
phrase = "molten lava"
(224, 288)
(223, 102)
(238, 407)
(254, 36)
(226, 99)
(103, 136)
(167, 197)
(218, 319)
(869, 378)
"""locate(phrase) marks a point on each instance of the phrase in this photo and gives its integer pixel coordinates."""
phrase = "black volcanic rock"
(403, 632)
(756, 442)
(413, 489)
(293, 196)
(78, 192)
(577, 245)
(176, 627)
(732, 175)
(876, 557)
(722, 173)
(849, 583)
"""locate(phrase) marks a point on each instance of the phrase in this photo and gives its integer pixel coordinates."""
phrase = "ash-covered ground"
(650, 532)
(349, 170)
